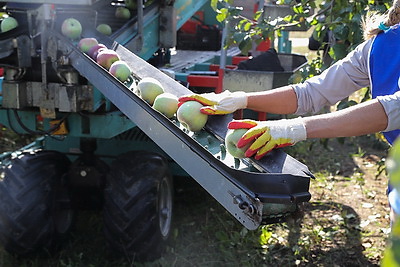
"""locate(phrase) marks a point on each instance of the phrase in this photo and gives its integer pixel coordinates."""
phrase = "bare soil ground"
(346, 223)
(348, 211)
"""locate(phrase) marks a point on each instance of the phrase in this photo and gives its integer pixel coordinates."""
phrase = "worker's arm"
(365, 118)
(279, 101)
(263, 136)
(334, 84)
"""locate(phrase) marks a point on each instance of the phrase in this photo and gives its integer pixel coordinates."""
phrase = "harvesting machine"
(99, 144)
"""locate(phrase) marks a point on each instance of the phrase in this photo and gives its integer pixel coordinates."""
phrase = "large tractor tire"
(138, 205)
(34, 210)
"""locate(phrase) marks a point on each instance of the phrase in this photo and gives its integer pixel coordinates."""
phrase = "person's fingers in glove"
(204, 99)
(265, 144)
(258, 133)
(218, 104)
(268, 135)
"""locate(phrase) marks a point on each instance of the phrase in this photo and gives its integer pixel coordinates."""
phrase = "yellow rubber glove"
(268, 135)
(218, 104)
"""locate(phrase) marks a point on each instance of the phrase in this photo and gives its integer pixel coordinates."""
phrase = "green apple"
(231, 139)
(167, 104)
(149, 88)
(85, 44)
(106, 58)
(131, 4)
(121, 70)
(8, 23)
(71, 28)
(190, 117)
(104, 29)
(122, 13)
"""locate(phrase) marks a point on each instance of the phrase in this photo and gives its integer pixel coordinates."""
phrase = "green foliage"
(343, 18)
(244, 32)
(313, 68)
(393, 165)
(392, 254)
(381, 168)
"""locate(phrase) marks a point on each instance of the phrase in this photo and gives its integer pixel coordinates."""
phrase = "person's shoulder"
(366, 45)
(362, 50)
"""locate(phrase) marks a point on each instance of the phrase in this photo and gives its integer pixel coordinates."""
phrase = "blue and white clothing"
(385, 73)
(340, 81)
(375, 64)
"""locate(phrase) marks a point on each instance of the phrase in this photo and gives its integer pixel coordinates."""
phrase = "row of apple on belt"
(152, 91)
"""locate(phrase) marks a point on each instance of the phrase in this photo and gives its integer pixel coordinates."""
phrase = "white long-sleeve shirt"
(341, 80)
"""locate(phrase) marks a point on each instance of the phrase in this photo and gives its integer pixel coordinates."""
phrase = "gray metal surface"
(256, 81)
(184, 59)
(14, 95)
(66, 98)
(248, 81)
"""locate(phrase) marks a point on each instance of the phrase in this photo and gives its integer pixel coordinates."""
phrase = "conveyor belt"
(277, 179)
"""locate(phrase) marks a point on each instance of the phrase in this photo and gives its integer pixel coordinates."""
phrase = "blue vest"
(384, 64)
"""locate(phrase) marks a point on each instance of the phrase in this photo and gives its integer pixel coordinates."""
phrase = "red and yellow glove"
(268, 135)
(218, 104)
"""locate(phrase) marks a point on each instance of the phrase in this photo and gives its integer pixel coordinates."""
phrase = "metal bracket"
(251, 207)
(138, 43)
(168, 30)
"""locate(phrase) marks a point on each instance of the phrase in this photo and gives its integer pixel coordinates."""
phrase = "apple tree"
(342, 18)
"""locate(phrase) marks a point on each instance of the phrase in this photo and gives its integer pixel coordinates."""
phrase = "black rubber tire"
(138, 201)
(31, 192)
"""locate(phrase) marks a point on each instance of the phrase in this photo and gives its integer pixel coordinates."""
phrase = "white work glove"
(218, 104)
(268, 135)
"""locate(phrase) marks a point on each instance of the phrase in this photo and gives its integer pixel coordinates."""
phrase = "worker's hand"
(218, 104)
(268, 135)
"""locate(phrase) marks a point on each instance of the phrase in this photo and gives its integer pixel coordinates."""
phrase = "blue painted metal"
(284, 44)
(105, 125)
(150, 35)
(186, 9)
(8, 118)
(99, 100)
(181, 76)
(202, 67)
(210, 17)
(1, 96)
(150, 40)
